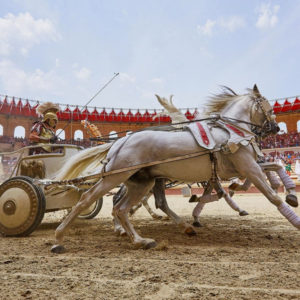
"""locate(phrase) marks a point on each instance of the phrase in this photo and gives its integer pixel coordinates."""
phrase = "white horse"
(139, 159)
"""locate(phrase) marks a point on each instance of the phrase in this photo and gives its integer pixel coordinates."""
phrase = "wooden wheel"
(92, 211)
(22, 206)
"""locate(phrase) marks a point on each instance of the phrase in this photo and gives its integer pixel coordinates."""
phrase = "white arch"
(283, 128)
(298, 126)
(78, 135)
(19, 132)
(113, 134)
(1, 130)
(61, 134)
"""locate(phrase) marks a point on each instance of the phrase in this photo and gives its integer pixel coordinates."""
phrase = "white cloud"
(16, 81)
(127, 78)
(267, 16)
(207, 28)
(57, 62)
(145, 93)
(24, 51)
(83, 73)
(230, 24)
(21, 32)
(156, 80)
(233, 23)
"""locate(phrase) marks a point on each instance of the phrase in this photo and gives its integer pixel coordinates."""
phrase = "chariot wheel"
(92, 211)
(22, 206)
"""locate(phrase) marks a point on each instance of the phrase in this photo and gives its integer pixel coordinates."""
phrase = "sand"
(231, 257)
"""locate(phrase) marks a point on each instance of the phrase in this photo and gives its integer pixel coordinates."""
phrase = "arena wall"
(20, 113)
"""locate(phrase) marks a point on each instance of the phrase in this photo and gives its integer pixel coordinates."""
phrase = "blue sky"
(64, 51)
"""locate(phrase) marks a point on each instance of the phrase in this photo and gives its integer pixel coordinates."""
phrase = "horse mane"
(218, 101)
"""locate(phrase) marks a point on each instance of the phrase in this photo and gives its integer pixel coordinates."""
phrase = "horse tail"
(83, 163)
(171, 110)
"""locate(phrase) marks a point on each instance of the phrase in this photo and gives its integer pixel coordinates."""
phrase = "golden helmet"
(50, 115)
(48, 110)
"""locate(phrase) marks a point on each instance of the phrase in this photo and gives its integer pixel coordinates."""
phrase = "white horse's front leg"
(252, 170)
(283, 208)
(84, 202)
(98, 190)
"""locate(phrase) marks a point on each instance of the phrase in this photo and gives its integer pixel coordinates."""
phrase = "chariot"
(24, 199)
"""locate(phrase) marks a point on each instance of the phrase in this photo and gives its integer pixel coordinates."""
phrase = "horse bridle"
(269, 126)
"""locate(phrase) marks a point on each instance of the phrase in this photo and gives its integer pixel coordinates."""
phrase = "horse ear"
(158, 97)
(256, 91)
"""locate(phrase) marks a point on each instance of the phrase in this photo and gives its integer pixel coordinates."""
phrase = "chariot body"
(23, 197)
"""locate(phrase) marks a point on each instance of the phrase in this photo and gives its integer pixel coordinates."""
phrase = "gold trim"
(34, 205)
(9, 207)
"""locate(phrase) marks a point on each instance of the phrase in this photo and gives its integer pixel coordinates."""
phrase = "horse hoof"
(157, 217)
(233, 186)
(150, 245)
(123, 233)
(197, 224)
(291, 200)
(120, 232)
(190, 231)
(243, 213)
(193, 198)
(58, 249)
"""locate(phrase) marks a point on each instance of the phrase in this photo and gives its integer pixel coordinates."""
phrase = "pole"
(102, 88)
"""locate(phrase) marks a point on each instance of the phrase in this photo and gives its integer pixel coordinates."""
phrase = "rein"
(216, 117)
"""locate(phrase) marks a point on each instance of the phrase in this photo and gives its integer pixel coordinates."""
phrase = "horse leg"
(256, 176)
(234, 206)
(135, 208)
(200, 205)
(149, 209)
(103, 186)
(291, 197)
(161, 203)
(235, 186)
(290, 187)
(135, 190)
(274, 182)
(120, 193)
(118, 227)
(196, 214)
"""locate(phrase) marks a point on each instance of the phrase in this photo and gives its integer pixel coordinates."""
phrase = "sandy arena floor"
(231, 257)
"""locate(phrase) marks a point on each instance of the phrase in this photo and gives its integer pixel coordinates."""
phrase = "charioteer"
(42, 131)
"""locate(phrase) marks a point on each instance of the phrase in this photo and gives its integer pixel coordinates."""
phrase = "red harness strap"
(237, 131)
(203, 134)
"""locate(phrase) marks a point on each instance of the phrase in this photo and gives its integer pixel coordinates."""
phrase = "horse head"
(252, 110)
(262, 112)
